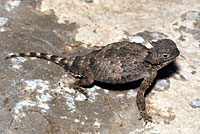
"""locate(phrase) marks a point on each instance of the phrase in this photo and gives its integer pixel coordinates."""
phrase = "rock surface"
(35, 96)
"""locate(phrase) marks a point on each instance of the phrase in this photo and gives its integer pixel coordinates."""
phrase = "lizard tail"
(64, 62)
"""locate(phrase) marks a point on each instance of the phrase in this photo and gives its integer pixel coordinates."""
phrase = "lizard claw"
(145, 117)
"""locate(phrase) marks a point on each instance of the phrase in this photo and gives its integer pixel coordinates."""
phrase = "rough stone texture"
(35, 96)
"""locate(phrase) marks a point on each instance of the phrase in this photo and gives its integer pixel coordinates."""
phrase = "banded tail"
(64, 62)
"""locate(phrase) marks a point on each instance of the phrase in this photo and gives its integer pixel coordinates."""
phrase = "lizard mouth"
(171, 60)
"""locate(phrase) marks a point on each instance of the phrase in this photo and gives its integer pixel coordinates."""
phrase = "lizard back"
(119, 62)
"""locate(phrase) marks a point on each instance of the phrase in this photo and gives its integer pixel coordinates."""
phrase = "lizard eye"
(165, 55)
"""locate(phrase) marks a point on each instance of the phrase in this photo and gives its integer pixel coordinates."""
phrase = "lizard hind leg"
(86, 80)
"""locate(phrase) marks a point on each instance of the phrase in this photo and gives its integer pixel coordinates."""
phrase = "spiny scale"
(64, 62)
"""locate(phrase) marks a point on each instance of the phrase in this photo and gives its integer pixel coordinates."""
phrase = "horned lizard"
(117, 63)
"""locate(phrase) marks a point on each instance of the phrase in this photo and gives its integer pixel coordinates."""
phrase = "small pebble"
(3, 21)
(195, 103)
(192, 15)
(137, 39)
(193, 72)
(89, 1)
(161, 85)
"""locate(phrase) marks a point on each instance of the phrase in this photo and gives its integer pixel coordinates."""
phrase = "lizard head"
(164, 51)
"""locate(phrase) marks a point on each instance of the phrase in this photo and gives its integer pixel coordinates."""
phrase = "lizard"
(117, 63)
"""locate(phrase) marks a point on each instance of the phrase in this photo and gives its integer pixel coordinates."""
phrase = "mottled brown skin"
(117, 63)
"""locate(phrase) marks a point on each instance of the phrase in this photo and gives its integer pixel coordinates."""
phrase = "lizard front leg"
(140, 100)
